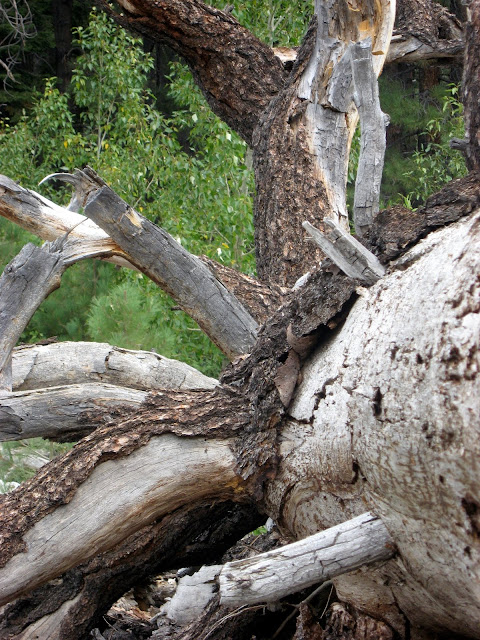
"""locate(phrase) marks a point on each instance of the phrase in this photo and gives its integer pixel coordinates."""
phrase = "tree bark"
(471, 86)
(48, 221)
(424, 29)
(199, 33)
(349, 398)
(384, 398)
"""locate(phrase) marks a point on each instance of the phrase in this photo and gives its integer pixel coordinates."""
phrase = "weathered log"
(270, 576)
(387, 415)
(65, 363)
(25, 282)
(346, 252)
(69, 606)
(156, 479)
(48, 221)
(64, 414)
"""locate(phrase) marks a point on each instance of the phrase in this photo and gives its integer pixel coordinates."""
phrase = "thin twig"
(308, 599)
(232, 614)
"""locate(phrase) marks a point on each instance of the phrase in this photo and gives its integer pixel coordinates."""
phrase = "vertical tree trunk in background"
(311, 123)
(471, 86)
(62, 25)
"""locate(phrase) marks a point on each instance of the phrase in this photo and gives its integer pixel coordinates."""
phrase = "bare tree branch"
(65, 363)
(25, 282)
(182, 275)
(269, 577)
(17, 21)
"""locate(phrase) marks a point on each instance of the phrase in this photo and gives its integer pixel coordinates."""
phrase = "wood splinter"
(346, 252)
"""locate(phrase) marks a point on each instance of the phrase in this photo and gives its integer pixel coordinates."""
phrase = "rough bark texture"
(260, 299)
(395, 230)
(471, 86)
(290, 118)
(350, 398)
(57, 482)
(311, 122)
(425, 29)
(189, 537)
(182, 275)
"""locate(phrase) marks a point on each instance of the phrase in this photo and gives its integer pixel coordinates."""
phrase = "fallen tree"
(352, 385)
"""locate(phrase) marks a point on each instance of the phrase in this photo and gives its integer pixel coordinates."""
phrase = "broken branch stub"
(347, 252)
(275, 574)
(25, 282)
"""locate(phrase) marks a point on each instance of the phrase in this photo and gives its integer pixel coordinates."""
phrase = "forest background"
(82, 91)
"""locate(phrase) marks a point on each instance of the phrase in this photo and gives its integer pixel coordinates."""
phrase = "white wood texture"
(373, 136)
(268, 577)
(64, 363)
(49, 221)
(192, 595)
(275, 574)
(331, 116)
(118, 498)
(346, 252)
(387, 418)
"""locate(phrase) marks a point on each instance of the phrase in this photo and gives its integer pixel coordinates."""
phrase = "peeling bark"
(311, 121)
(401, 436)
(349, 398)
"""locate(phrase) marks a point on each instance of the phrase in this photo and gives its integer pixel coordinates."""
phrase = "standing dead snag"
(347, 398)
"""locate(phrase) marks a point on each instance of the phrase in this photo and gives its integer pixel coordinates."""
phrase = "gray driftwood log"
(269, 577)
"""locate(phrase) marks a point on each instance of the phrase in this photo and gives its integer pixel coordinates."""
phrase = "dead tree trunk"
(359, 392)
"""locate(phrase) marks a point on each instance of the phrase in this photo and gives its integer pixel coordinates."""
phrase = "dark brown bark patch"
(288, 187)
(428, 21)
(259, 299)
(471, 86)
(267, 377)
(343, 624)
(396, 230)
(189, 537)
